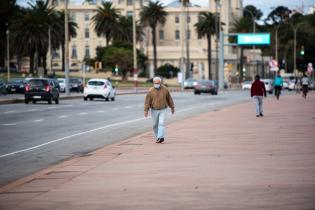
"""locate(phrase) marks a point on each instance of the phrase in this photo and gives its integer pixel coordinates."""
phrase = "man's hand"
(145, 114)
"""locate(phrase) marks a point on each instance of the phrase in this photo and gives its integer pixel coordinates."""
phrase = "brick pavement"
(225, 159)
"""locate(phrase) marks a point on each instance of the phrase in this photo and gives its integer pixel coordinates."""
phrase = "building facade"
(172, 44)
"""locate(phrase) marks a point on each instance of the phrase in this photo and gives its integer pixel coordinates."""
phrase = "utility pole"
(188, 70)
(66, 48)
(182, 37)
(49, 50)
(8, 54)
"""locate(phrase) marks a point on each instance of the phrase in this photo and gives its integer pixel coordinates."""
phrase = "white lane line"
(9, 124)
(83, 113)
(39, 120)
(62, 116)
(8, 112)
(51, 107)
(100, 111)
(32, 110)
(69, 105)
(115, 109)
(140, 105)
(128, 107)
(71, 136)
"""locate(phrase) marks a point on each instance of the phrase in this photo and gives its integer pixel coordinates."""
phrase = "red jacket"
(258, 89)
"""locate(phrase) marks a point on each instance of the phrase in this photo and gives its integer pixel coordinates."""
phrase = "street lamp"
(134, 41)
(66, 57)
(8, 53)
(294, 55)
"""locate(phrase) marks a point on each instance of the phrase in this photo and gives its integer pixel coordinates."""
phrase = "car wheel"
(26, 101)
(50, 100)
(197, 93)
(91, 98)
(34, 101)
(113, 98)
(57, 101)
(85, 98)
(107, 99)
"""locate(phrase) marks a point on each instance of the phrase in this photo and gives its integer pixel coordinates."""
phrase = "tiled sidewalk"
(227, 159)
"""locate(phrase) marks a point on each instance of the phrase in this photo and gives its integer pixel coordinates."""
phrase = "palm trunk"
(241, 65)
(32, 62)
(209, 55)
(63, 57)
(154, 49)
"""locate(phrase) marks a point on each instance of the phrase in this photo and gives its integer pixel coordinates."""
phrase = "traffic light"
(302, 50)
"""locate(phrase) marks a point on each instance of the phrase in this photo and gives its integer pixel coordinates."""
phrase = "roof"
(178, 4)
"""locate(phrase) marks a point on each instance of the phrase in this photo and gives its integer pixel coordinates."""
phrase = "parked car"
(206, 86)
(62, 84)
(76, 84)
(247, 85)
(190, 83)
(285, 84)
(3, 90)
(41, 90)
(56, 82)
(291, 85)
(99, 88)
(269, 85)
(16, 85)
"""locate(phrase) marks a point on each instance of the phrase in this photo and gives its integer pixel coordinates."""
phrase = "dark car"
(41, 90)
(206, 86)
(3, 90)
(76, 84)
(16, 85)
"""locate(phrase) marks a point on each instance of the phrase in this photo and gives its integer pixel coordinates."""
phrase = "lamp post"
(66, 57)
(182, 38)
(8, 53)
(134, 41)
(49, 49)
(294, 55)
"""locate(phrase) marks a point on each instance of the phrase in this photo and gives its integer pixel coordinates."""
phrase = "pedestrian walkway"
(225, 159)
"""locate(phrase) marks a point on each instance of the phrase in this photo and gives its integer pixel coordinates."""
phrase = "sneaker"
(261, 114)
(257, 115)
(158, 140)
(161, 140)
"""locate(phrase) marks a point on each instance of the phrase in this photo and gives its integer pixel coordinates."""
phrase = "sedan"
(62, 84)
(190, 83)
(3, 89)
(76, 84)
(41, 90)
(99, 88)
(206, 86)
(246, 85)
(16, 85)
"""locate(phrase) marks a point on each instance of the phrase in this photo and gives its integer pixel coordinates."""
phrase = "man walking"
(258, 90)
(158, 99)
(278, 85)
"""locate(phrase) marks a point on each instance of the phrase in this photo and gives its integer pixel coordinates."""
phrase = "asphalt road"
(35, 136)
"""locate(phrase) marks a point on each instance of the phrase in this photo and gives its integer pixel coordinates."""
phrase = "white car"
(268, 85)
(247, 85)
(99, 88)
(62, 84)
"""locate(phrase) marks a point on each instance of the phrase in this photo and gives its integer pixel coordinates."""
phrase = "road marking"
(128, 107)
(83, 113)
(8, 112)
(62, 116)
(115, 109)
(101, 111)
(71, 136)
(32, 110)
(9, 124)
(39, 120)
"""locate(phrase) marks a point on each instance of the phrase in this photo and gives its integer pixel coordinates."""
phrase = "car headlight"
(195, 83)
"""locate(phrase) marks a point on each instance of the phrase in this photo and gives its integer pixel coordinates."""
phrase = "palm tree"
(205, 27)
(151, 16)
(124, 31)
(105, 21)
(242, 25)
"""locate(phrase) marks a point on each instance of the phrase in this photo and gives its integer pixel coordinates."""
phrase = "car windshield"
(15, 81)
(205, 82)
(73, 80)
(96, 83)
(38, 82)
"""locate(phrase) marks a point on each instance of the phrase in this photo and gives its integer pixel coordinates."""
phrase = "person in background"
(158, 99)
(305, 83)
(257, 91)
(278, 85)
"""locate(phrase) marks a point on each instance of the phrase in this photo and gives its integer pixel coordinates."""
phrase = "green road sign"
(253, 39)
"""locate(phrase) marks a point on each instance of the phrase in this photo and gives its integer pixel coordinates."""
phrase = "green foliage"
(167, 71)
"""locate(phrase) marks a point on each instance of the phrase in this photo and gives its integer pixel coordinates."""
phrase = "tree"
(205, 27)
(151, 16)
(241, 25)
(105, 21)
(278, 16)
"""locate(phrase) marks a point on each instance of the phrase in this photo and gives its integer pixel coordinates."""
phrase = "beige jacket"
(158, 99)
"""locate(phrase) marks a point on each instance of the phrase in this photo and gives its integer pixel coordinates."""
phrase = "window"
(87, 52)
(129, 2)
(188, 34)
(177, 35)
(188, 19)
(86, 16)
(161, 34)
(87, 33)
(129, 13)
(73, 16)
(74, 54)
(176, 19)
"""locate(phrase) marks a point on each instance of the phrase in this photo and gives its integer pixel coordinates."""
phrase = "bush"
(167, 71)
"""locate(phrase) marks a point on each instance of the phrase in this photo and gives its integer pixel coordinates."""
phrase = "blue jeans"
(258, 103)
(159, 117)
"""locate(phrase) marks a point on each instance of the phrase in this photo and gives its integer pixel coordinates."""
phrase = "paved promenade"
(222, 160)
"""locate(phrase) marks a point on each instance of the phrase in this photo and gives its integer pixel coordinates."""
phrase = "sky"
(264, 5)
